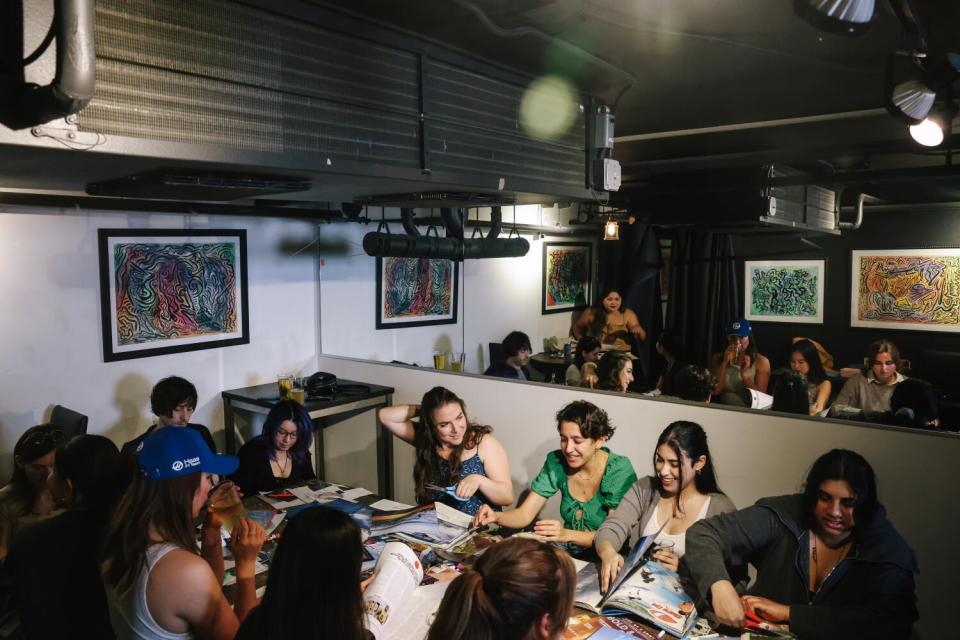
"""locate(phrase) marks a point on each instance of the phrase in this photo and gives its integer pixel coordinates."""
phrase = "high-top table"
(325, 413)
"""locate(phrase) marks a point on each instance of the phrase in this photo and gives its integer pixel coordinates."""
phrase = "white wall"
(50, 332)
(756, 454)
(496, 297)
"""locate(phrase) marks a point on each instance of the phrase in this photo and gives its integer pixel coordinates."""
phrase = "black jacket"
(869, 594)
(504, 370)
(255, 474)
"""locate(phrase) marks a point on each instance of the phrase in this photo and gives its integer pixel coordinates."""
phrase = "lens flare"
(548, 107)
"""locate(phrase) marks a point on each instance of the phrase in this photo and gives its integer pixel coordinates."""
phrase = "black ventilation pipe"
(415, 245)
(75, 80)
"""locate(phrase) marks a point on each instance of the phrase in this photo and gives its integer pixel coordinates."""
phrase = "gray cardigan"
(637, 507)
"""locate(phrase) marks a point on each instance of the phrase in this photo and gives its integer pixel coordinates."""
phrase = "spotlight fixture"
(843, 17)
(935, 127)
(911, 100)
(611, 230)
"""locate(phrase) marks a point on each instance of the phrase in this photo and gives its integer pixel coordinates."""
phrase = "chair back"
(72, 423)
(495, 352)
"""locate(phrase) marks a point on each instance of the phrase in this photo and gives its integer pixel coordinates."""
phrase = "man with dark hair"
(829, 563)
(173, 400)
(516, 355)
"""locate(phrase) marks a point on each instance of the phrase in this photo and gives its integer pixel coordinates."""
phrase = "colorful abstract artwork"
(416, 292)
(170, 291)
(566, 276)
(916, 289)
(784, 290)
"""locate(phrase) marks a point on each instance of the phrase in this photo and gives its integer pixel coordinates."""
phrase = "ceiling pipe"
(863, 197)
(75, 80)
(406, 219)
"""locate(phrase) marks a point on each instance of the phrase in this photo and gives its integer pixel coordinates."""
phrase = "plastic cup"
(439, 360)
(284, 385)
(456, 361)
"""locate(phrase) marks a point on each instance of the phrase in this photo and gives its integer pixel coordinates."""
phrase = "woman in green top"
(591, 480)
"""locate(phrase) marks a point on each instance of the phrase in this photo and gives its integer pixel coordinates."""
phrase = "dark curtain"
(632, 264)
(703, 295)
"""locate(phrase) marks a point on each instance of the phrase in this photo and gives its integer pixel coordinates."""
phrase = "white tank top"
(130, 615)
(679, 540)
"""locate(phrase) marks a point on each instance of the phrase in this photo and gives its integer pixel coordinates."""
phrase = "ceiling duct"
(454, 246)
(176, 184)
(432, 199)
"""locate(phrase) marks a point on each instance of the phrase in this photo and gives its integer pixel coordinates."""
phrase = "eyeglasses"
(286, 435)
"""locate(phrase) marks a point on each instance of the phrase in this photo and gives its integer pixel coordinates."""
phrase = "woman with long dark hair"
(740, 367)
(280, 455)
(682, 491)
(26, 496)
(829, 562)
(805, 360)
(611, 324)
(313, 591)
(519, 589)
(615, 372)
(157, 585)
(451, 451)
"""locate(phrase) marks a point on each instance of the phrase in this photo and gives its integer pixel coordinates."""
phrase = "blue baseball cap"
(172, 452)
(739, 327)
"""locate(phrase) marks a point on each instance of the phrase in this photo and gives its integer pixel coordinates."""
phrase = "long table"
(324, 413)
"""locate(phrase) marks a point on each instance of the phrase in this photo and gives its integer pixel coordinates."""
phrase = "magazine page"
(588, 594)
(414, 617)
(653, 593)
(397, 574)
(420, 524)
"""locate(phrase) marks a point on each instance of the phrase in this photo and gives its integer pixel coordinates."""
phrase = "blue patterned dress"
(470, 466)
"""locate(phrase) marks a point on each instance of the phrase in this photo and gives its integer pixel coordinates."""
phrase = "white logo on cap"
(177, 466)
(736, 325)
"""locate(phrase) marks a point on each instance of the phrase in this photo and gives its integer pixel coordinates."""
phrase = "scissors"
(450, 491)
(753, 621)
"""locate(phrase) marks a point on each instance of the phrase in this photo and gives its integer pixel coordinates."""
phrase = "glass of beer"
(439, 360)
(298, 393)
(225, 500)
(285, 385)
(456, 361)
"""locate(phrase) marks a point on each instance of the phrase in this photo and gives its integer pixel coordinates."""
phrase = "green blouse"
(617, 478)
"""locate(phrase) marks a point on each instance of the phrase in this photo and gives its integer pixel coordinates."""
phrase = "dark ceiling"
(713, 83)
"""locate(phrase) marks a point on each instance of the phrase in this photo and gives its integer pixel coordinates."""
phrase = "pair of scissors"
(753, 621)
(450, 491)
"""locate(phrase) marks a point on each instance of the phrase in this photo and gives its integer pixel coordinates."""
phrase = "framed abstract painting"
(566, 276)
(784, 290)
(415, 292)
(170, 291)
(914, 289)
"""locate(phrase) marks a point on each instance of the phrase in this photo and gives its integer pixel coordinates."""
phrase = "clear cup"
(298, 392)
(229, 507)
(284, 385)
(439, 360)
(456, 361)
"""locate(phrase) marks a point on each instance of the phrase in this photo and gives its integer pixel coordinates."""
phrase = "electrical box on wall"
(611, 174)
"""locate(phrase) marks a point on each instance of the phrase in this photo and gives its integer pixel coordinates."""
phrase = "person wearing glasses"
(870, 392)
(26, 498)
(280, 455)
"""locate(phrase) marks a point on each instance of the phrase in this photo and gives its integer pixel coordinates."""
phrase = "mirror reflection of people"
(451, 451)
(829, 563)
(683, 490)
(610, 323)
(516, 355)
(157, 585)
(790, 394)
(615, 372)
(670, 348)
(695, 383)
(740, 367)
(586, 351)
(805, 360)
(26, 497)
(280, 455)
(914, 403)
(870, 392)
(313, 590)
(590, 478)
(519, 588)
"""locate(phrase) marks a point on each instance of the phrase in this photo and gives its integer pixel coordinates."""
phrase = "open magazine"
(419, 524)
(643, 588)
(394, 607)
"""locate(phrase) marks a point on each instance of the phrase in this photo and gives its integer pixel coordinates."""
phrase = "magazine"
(397, 574)
(645, 589)
(419, 524)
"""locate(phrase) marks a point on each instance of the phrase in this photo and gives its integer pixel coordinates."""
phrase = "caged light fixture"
(843, 17)
(611, 230)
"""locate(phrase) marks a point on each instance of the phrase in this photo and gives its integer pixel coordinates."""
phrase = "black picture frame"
(584, 249)
(223, 253)
(425, 268)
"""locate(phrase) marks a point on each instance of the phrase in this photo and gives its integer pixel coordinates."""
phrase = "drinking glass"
(229, 506)
(456, 361)
(298, 392)
(439, 360)
(285, 385)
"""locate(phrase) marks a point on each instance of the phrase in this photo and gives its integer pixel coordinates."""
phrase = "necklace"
(842, 551)
(283, 467)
